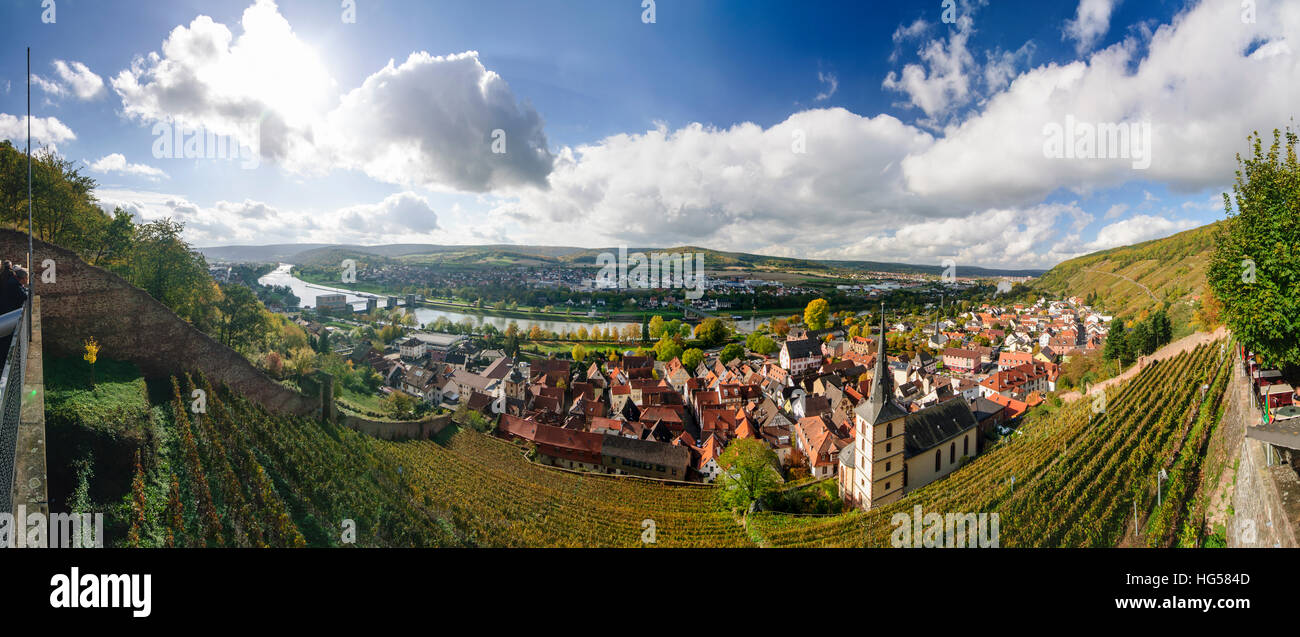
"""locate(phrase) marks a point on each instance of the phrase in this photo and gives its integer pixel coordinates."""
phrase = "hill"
(1130, 279)
(502, 254)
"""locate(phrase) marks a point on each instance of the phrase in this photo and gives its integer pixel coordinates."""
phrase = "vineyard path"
(1185, 344)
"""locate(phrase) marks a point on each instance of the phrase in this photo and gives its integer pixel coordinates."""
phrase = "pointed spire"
(879, 381)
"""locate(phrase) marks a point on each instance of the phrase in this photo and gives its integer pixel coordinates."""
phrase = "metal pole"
(29, 169)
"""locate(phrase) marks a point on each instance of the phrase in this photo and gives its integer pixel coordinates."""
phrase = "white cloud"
(729, 186)
(47, 130)
(1090, 23)
(399, 217)
(429, 121)
(1196, 87)
(396, 214)
(79, 79)
(1006, 237)
(1137, 229)
(832, 84)
(441, 116)
(116, 163)
(266, 87)
(49, 86)
(942, 80)
(71, 78)
(866, 187)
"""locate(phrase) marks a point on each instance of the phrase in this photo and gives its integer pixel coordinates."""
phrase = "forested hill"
(1128, 280)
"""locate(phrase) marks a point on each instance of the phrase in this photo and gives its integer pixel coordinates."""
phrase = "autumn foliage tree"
(816, 316)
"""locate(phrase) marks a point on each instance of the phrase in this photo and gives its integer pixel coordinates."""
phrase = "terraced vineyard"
(1077, 474)
(239, 476)
(499, 498)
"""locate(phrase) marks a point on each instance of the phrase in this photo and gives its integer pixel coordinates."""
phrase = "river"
(307, 293)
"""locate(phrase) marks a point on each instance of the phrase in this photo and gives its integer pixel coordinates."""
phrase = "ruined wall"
(86, 301)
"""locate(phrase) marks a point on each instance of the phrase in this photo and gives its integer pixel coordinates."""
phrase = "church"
(896, 451)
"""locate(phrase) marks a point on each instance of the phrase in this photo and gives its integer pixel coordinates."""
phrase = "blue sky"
(872, 130)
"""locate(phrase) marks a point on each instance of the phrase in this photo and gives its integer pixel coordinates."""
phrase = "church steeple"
(880, 406)
(880, 385)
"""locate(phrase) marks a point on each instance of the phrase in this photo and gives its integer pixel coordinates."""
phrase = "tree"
(1254, 270)
(712, 331)
(1141, 339)
(656, 327)
(1161, 328)
(1116, 348)
(780, 327)
(817, 314)
(760, 343)
(91, 355)
(667, 349)
(399, 405)
(645, 330)
(750, 470)
(1209, 312)
(692, 358)
(273, 363)
(167, 268)
(242, 322)
(302, 361)
(579, 353)
(731, 352)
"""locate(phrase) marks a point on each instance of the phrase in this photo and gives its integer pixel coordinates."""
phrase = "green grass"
(116, 404)
(372, 402)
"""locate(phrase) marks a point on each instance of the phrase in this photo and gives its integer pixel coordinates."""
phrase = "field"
(1080, 474)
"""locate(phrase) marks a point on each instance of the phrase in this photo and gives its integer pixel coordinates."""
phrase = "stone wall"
(413, 430)
(85, 301)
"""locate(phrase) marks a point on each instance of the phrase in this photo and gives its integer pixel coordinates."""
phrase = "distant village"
(831, 403)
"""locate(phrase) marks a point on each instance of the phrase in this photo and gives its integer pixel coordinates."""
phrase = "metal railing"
(15, 325)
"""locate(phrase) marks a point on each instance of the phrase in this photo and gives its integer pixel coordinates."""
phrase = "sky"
(992, 132)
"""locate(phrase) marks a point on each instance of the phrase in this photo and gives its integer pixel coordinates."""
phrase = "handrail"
(16, 325)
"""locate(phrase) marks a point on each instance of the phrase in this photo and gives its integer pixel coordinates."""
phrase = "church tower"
(878, 455)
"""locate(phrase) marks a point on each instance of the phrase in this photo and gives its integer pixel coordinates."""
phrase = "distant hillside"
(280, 252)
(501, 254)
(1132, 278)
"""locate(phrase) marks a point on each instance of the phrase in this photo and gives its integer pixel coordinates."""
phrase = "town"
(833, 401)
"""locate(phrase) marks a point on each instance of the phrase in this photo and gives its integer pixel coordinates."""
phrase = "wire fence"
(11, 388)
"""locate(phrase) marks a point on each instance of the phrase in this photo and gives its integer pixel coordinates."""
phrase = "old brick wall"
(86, 301)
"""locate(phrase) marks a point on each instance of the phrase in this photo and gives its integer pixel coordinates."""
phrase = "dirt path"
(1185, 344)
(1144, 288)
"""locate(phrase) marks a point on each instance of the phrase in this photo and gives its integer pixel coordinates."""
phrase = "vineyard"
(499, 498)
(238, 476)
(1072, 478)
